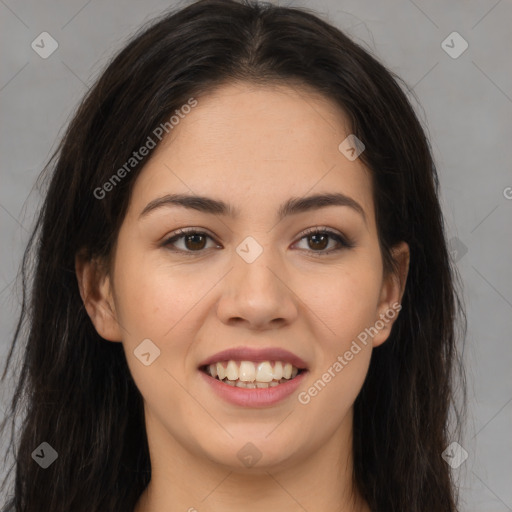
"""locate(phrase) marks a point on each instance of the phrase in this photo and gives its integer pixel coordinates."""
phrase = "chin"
(254, 453)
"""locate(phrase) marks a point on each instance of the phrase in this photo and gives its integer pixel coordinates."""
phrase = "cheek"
(153, 296)
(344, 302)
(346, 308)
(155, 302)
(329, 396)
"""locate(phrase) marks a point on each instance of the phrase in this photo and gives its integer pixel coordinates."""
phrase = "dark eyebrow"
(292, 206)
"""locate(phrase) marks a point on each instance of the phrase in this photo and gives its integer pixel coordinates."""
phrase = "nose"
(258, 294)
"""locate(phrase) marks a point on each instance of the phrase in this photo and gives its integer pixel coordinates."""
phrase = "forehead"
(252, 145)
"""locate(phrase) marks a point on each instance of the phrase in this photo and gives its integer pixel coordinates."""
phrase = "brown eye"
(192, 241)
(318, 241)
(195, 242)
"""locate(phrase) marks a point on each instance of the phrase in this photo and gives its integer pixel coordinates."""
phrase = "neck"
(183, 481)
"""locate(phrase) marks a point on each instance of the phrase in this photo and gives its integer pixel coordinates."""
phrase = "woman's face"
(253, 278)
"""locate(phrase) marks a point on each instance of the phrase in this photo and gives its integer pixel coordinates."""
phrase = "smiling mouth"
(252, 375)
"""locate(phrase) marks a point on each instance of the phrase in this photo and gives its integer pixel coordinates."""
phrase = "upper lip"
(256, 354)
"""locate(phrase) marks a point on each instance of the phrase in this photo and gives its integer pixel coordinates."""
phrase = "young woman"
(241, 293)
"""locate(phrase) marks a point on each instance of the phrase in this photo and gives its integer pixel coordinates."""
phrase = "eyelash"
(344, 242)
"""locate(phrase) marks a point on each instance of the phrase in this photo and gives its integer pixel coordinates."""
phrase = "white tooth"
(273, 384)
(232, 371)
(278, 370)
(247, 371)
(287, 371)
(261, 384)
(264, 373)
(221, 371)
(240, 384)
(250, 385)
(295, 371)
(229, 382)
(213, 370)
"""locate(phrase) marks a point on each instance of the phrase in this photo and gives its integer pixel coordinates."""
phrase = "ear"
(96, 292)
(393, 287)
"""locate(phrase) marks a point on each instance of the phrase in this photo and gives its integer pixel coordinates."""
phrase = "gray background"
(465, 104)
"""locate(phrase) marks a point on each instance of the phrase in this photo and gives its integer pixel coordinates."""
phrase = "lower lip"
(258, 397)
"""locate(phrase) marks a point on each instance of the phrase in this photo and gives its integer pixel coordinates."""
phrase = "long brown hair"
(75, 390)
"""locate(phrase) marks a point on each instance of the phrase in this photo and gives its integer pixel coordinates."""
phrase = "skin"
(253, 147)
